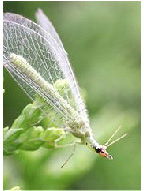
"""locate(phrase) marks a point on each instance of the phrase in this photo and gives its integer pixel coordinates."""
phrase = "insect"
(35, 57)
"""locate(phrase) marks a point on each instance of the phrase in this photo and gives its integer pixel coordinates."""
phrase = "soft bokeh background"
(103, 43)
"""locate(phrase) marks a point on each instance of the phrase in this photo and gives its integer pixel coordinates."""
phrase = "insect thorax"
(80, 129)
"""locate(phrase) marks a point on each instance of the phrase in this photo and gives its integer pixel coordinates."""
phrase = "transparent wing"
(46, 24)
(44, 51)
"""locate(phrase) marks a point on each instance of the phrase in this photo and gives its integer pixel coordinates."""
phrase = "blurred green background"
(103, 43)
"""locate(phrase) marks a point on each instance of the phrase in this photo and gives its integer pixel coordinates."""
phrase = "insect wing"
(43, 50)
(46, 24)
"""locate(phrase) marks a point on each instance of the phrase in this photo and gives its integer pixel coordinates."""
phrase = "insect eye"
(98, 150)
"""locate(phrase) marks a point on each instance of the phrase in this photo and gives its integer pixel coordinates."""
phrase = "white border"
(1, 95)
(76, 0)
(142, 87)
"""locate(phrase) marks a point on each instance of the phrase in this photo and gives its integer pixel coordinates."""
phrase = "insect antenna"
(112, 136)
(117, 140)
(107, 144)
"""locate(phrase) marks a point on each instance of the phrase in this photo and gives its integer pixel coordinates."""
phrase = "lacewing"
(35, 58)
